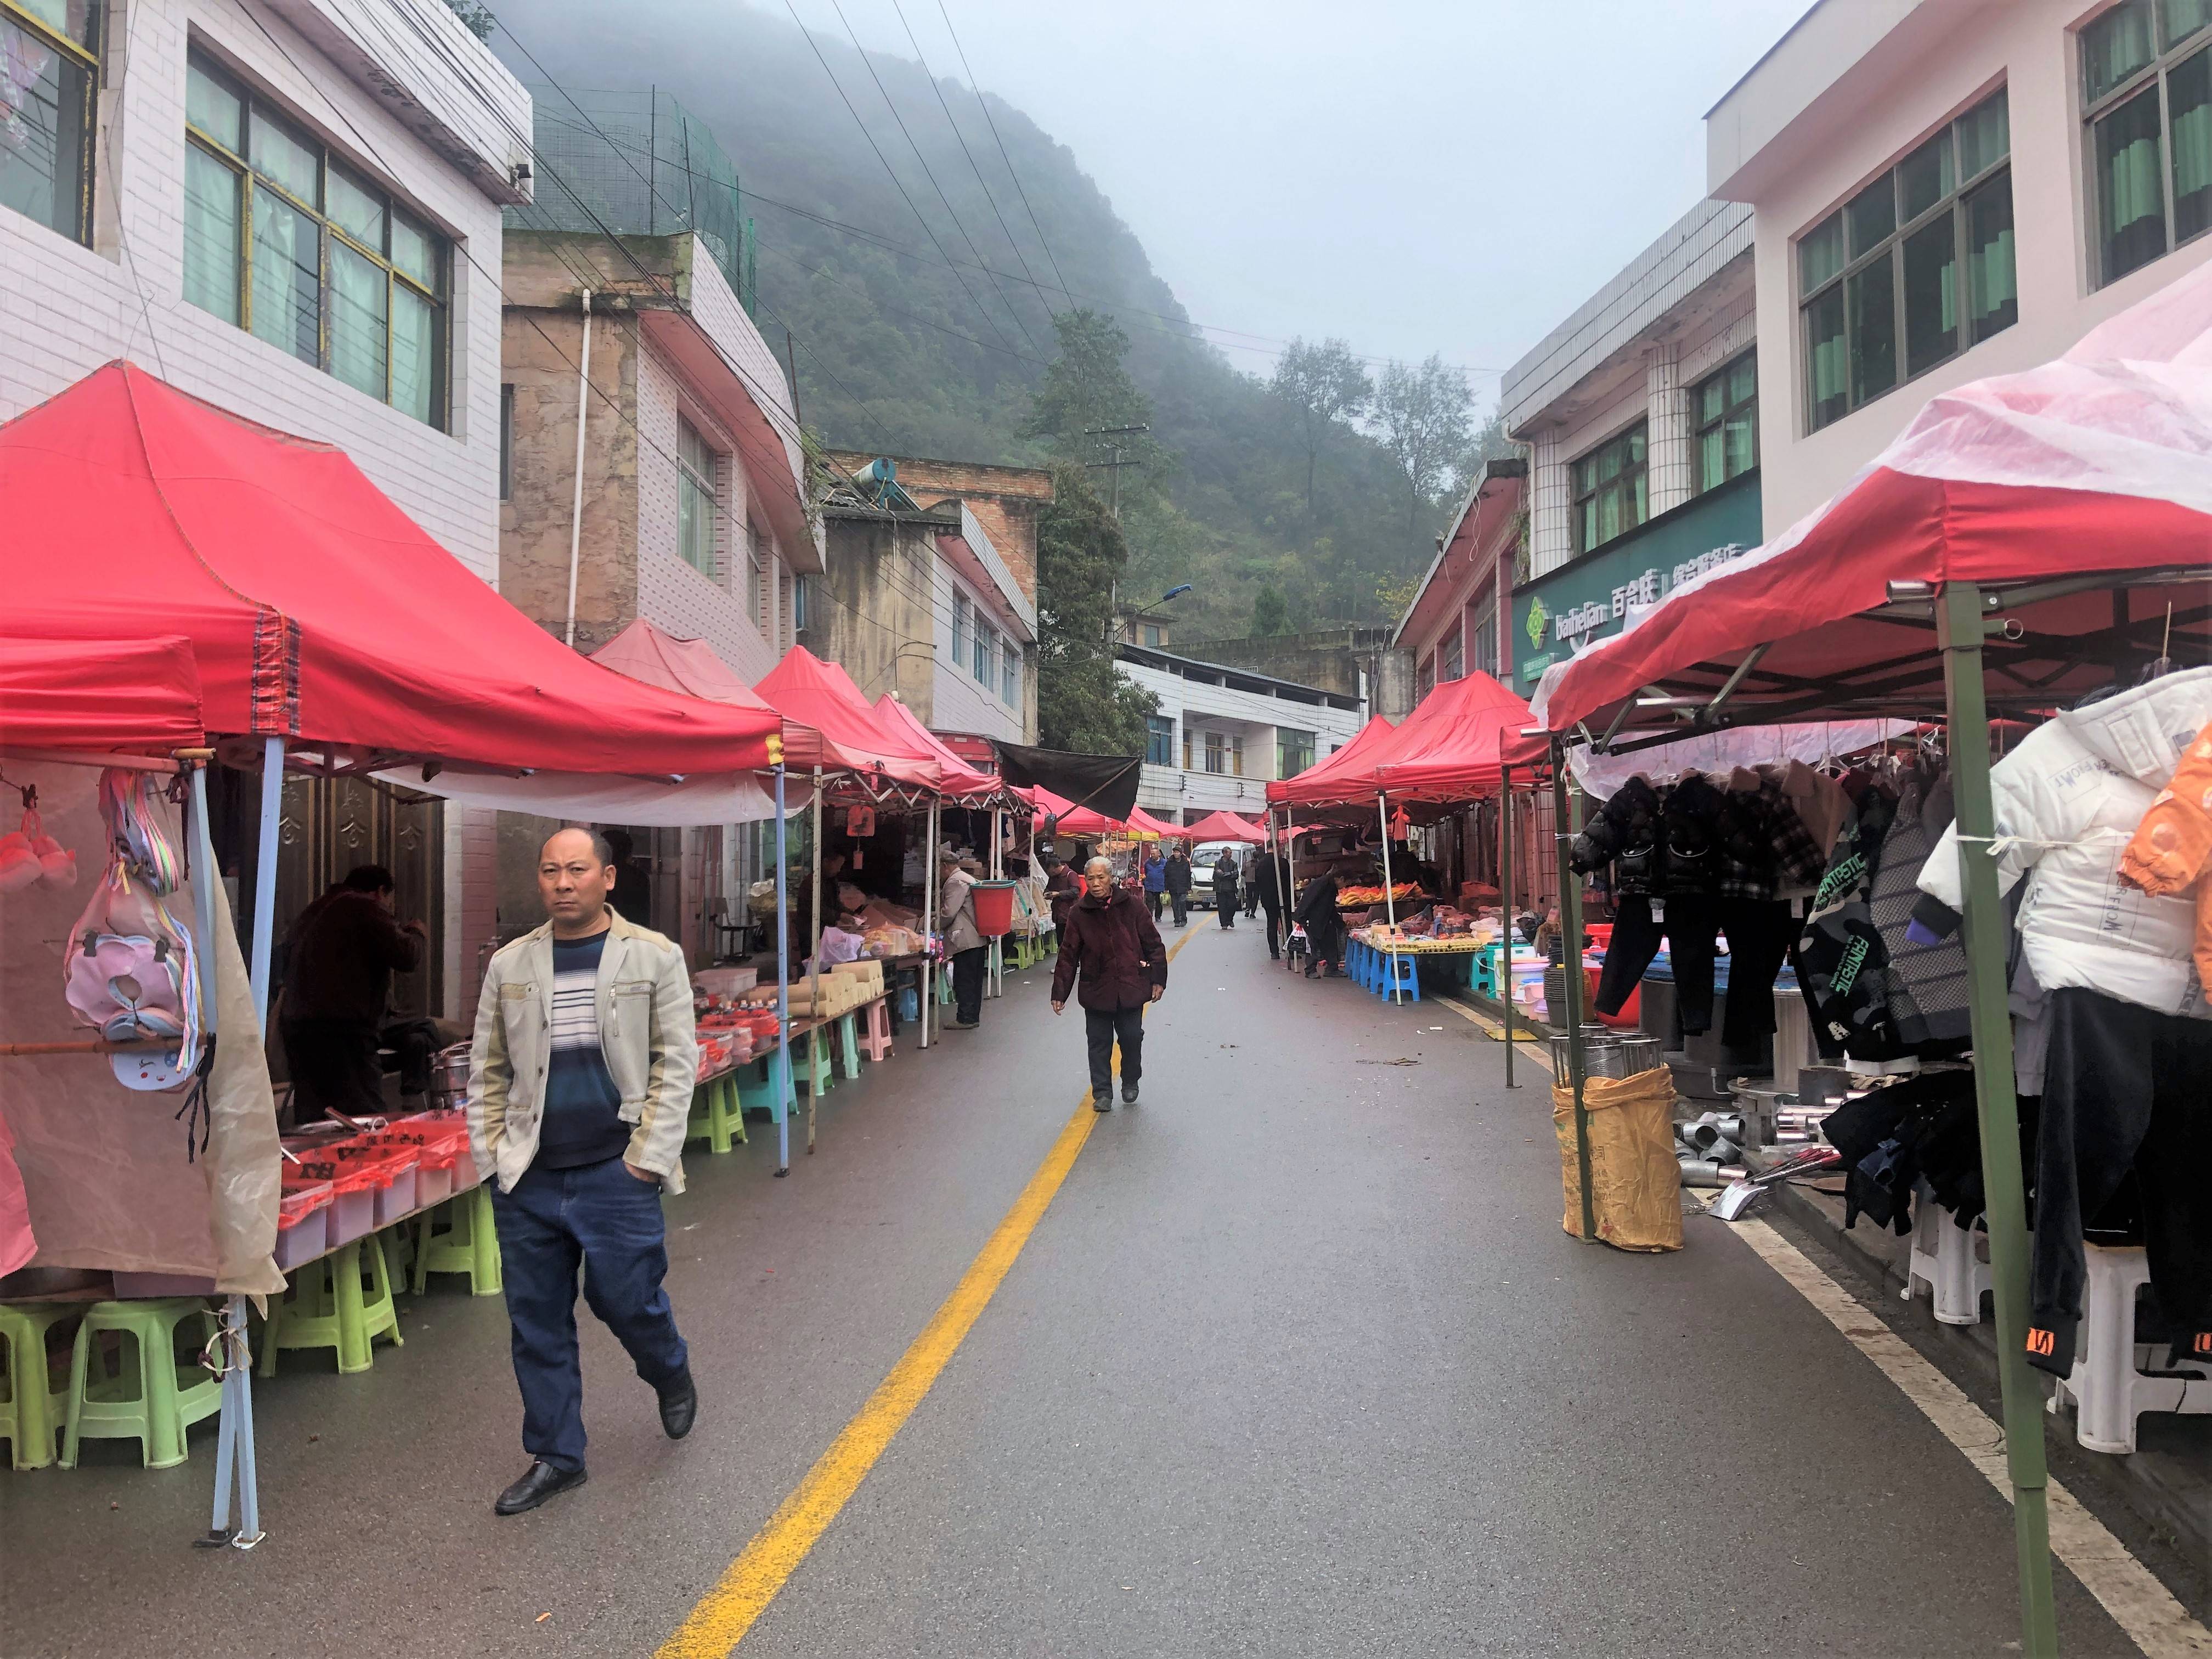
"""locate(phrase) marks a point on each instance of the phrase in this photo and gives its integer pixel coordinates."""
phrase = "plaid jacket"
(1765, 845)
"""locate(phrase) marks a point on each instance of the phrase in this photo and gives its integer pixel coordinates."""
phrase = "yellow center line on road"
(727, 1611)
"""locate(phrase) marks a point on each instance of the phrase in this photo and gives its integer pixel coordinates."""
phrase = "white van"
(1202, 860)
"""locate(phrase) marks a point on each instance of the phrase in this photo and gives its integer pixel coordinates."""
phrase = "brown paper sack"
(1636, 1184)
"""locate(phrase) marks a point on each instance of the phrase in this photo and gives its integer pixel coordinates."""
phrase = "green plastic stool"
(33, 1414)
(329, 1306)
(849, 1046)
(761, 1094)
(460, 1236)
(717, 1117)
(144, 1399)
(812, 1070)
(944, 984)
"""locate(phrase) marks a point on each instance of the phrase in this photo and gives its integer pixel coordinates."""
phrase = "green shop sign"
(1593, 596)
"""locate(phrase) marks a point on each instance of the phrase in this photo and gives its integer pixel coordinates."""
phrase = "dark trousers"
(333, 1062)
(1156, 900)
(2123, 1089)
(1104, 1027)
(1224, 901)
(1181, 903)
(416, 1040)
(1692, 934)
(1759, 934)
(603, 1219)
(1274, 930)
(967, 968)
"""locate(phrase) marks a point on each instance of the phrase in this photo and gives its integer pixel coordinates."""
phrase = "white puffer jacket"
(2067, 800)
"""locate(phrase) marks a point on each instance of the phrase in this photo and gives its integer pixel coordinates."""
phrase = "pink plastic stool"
(876, 1030)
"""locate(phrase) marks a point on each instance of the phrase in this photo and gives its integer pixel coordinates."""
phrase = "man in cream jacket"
(580, 1087)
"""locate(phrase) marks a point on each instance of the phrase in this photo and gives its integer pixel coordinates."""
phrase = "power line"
(816, 47)
(1020, 258)
(868, 63)
(974, 88)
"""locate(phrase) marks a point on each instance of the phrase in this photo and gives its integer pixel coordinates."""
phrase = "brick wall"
(1007, 499)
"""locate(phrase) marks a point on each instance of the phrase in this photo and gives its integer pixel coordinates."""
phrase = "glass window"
(507, 443)
(1485, 641)
(1186, 748)
(1725, 407)
(981, 666)
(1010, 673)
(959, 629)
(1236, 757)
(1451, 660)
(1610, 489)
(49, 76)
(2150, 98)
(697, 497)
(756, 578)
(1294, 751)
(1152, 634)
(1159, 739)
(1891, 307)
(288, 242)
(1217, 752)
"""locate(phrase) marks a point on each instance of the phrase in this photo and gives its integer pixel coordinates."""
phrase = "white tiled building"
(1222, 734)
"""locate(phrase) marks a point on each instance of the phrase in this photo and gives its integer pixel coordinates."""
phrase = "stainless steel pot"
(449, 1076)
(1640, 1054)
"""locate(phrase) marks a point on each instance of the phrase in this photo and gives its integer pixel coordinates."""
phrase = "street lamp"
(1134, 617)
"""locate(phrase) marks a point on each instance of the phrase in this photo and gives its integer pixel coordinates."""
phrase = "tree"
(1421, 416)
(1083, 704)
(1087, 389)
(1324, 386)
(1271, 612)
(1396, 596)
(1489, 443)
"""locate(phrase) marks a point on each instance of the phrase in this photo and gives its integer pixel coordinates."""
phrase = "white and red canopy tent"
(2041, 487)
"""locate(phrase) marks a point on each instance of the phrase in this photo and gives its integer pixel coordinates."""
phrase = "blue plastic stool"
(757, 1090)
(1400, 973)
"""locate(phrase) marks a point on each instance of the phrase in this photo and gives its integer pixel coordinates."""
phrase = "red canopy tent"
(645, 652)
(269, 553)
(804, 688)
(141, 695)
(961, 781)
(1224, 826)
(1456, 744)
(1141, 822)
(2046, 483)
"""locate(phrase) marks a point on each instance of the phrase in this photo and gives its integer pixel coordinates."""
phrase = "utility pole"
(1117, 463)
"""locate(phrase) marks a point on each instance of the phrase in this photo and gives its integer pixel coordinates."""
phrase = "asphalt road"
(1299, 1362)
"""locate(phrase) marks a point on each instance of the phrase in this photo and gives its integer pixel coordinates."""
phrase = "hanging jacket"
(1691, 824)
(2172, 848)
(2067, 802)
(1625, 833)
(1927, 984)
(1841, 961)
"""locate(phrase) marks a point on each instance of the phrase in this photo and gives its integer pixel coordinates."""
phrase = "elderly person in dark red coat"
(1111, 942)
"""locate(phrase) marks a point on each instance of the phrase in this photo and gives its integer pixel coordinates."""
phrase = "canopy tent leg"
(1571, 923)
(1505, 910)
(1961, 631)
(814, 948)
(1291, 896)
(264, 875)
(928, 923)
(1390, 904)
(782, 1085)
(998, 956)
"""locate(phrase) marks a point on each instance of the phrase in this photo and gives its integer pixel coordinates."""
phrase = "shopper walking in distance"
(579, 1090)
(1176, 877)
(1267, 894)
(965, 943)
(1156, 883)
(1111, 957)
(1225, 888)
(1251, 867)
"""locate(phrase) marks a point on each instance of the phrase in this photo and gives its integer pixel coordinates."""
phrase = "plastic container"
(303, 1222)
(1627, 1018)
(994, 908)
(396, 1198)
(433, 1184)
(352, 1215)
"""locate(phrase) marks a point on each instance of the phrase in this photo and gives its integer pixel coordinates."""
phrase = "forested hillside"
(935, 340)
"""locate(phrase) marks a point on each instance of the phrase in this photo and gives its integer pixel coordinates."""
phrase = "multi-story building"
(1641, 415)
(667, 486)
(1886, 153)
(1352, 660)
(1220, 734)
(932, 591)
(290, 208)
(1460, 620)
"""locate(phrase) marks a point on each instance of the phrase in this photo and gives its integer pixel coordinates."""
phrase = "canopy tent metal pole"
(1290, 898)
(264, 875)
(1390, 904)
(1282, 879)
(814, 952)
(928, 922)
(1570, 922)
(782, 1081)
(998, 955)
(1961, 630)
(1505, 910)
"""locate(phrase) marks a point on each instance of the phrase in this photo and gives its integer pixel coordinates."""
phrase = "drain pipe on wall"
(576, 504)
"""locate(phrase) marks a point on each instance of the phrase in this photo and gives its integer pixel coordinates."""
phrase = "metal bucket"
(449, 1077)
(1639, 1055)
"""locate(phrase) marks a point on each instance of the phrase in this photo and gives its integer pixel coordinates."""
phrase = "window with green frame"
(1882, 290)
(1724, 406)
(285, 240)
(697, 497)
(1612, 494)
(2147, 99)
(1294, 751)
(49, 77)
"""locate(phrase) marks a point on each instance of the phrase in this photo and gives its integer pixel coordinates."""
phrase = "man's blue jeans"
(605, 1220)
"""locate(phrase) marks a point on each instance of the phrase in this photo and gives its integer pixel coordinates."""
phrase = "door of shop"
(330, 824)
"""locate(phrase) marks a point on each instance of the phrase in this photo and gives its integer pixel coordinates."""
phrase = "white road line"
(2139, 1604)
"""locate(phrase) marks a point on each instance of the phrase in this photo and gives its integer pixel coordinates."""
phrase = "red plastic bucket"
(994, 908)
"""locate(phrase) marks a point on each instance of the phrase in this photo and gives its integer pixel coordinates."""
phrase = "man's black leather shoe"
(1128, 1094)
(543, 1481)
(679, 1406)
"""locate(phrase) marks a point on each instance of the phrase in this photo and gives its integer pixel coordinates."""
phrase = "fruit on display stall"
(1359, 898)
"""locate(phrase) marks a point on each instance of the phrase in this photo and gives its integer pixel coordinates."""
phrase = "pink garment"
(16, 1244)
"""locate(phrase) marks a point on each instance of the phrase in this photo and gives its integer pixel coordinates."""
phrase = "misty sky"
(1415, 175)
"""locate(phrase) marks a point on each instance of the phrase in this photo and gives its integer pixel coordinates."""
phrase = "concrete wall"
(958, 700)
(1199, 708)
(1328, 660)
(1007, 499)
(1853, 88)
(872, 613)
